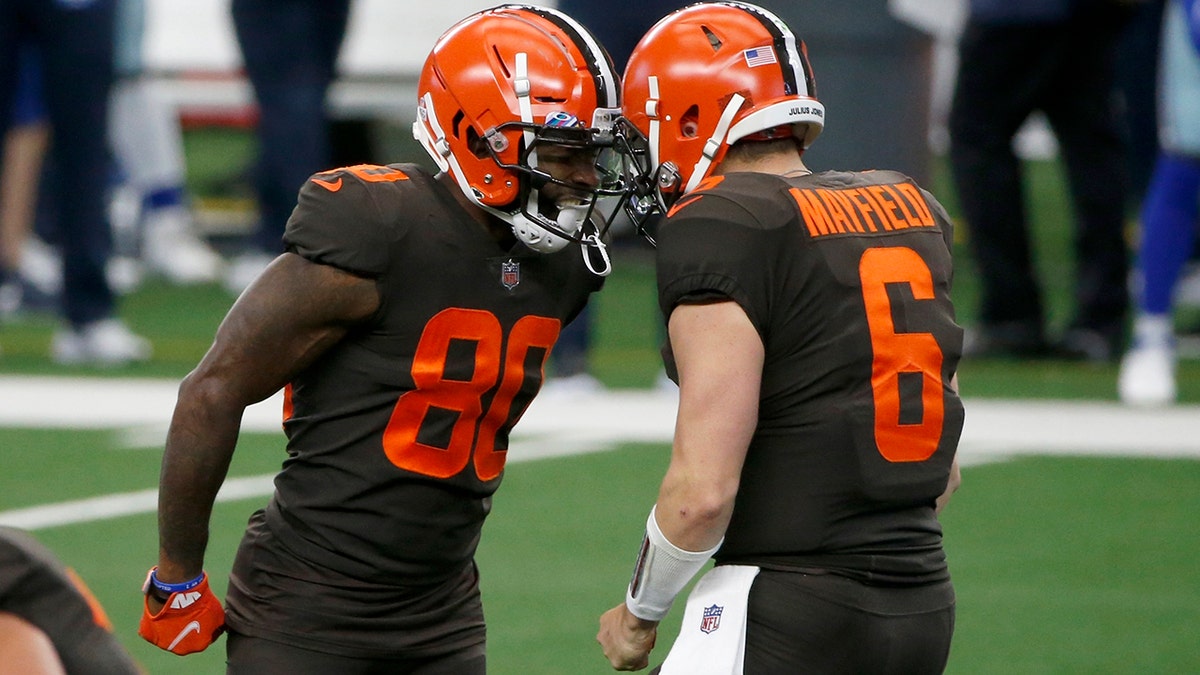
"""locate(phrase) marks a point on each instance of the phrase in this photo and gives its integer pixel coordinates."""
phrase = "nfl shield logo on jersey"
(510, 274)
(711, 619)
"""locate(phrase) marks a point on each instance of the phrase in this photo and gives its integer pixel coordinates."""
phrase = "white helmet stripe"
(793, 61)
(601, 67)
(790, 64)
(595, 52)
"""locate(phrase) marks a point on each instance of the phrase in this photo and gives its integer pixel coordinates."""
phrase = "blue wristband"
(174, 588)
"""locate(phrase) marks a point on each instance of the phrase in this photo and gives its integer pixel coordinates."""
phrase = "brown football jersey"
(846, 277)
(397, 435)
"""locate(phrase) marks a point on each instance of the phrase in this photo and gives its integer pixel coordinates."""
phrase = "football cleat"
(1147, 376)
(172, 249)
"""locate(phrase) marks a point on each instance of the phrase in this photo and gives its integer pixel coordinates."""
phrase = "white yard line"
(563, 425)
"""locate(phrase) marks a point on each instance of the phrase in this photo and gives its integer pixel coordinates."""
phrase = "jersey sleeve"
(338, 221)
(941, 216)
(713, 249)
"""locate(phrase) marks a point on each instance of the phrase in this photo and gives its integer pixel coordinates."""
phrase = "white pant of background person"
(150, 214)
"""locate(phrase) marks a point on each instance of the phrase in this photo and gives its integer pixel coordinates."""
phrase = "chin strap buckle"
(593, 241)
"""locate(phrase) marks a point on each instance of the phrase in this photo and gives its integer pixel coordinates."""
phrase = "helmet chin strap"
(579, 216)
(652, 115)
(572, 219)
(713, 145)
(591, 241)
(436, 143)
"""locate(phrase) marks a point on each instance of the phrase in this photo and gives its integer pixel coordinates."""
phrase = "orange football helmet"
(500, 83)
(709, 75)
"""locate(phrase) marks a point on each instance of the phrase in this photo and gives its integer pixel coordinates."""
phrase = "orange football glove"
(189, 622)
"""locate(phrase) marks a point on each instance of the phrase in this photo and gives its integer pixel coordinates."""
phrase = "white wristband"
(662, 570)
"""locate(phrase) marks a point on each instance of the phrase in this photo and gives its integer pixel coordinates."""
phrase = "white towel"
(712, 639)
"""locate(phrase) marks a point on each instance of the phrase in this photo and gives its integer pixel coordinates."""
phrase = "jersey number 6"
(473, 428)
(897, 353)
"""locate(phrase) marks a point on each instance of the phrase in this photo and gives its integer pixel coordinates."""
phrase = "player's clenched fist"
(190, 619)
(625, 639)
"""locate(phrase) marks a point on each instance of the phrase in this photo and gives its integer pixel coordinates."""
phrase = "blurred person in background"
(1056, 56)
(1137, 70)
(812, 334)
(74, 41)
(25, 145)
(151, 219)
(1170, 215)
(290, 50)
(148, 144)
(408, 323)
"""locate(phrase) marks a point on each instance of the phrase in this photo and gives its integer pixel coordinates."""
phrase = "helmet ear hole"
(476, 143)
(689, 123)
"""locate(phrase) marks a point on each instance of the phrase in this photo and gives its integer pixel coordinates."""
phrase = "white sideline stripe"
(122, 504)
(563, 425)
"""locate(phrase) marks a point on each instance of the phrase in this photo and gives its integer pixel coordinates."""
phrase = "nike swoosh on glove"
(189, 622)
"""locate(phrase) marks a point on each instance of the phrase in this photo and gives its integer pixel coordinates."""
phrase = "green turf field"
(1062, 564)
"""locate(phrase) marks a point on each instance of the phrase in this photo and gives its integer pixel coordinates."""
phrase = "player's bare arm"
(719, 355)
(951, 486)
(294, 312)
(25, 649)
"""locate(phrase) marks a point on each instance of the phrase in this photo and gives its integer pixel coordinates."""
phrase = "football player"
(49, 621)
(409, 322)
(811, 332)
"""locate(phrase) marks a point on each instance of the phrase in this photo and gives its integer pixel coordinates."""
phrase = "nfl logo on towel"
(712, 619)
(510, 274)
(759, 56)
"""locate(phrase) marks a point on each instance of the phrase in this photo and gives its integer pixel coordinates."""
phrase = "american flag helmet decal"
(759, 56)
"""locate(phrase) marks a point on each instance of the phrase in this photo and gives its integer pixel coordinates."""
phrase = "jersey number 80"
(475, 429)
